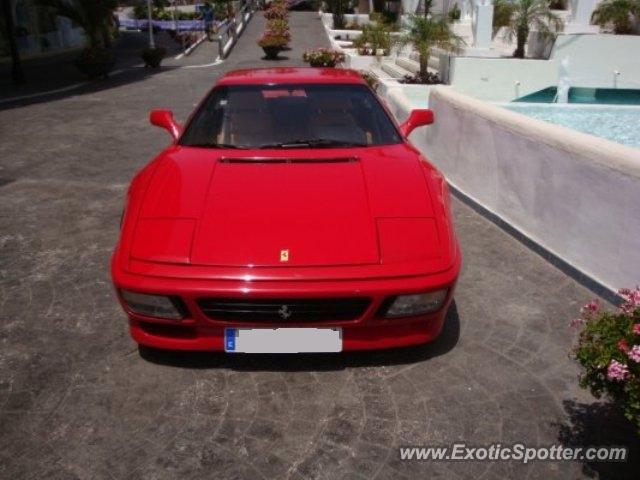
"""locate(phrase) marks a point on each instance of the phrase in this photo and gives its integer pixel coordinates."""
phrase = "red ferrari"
(290, 214)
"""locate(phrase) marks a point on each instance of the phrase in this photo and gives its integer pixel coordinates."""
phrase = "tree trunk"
(17, 74)
(522, 34)
(424, 64)
(106, 35)
(94, 36)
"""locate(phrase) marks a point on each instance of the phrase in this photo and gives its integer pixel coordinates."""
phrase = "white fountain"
(562, 93)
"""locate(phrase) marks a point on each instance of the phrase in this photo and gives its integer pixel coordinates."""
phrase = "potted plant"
(272, 44)
(323, 57)
(609, 351)
(153, 56)
(279, 27)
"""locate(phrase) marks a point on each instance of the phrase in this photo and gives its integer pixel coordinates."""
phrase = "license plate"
(282, 340)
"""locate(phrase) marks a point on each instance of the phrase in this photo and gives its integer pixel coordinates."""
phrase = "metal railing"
(229, 32)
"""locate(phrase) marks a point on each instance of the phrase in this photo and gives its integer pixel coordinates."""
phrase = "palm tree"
(425, 33)
(17, 75)
(618, 13)
(525, 14)
(338, 8)
(94, 16)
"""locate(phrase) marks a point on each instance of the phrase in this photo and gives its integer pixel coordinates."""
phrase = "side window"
(210, 120)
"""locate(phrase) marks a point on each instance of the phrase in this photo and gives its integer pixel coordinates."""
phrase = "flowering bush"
(276, 10)
(278, 27)
(323, 57)
(270, 40)
(609, 351)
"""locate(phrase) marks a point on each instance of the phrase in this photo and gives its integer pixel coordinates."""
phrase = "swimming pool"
(596, 96)
(618, 123)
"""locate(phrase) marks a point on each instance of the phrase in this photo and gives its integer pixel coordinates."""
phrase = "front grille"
(284, 309)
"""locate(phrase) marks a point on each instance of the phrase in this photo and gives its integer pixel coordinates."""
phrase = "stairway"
(401, 66)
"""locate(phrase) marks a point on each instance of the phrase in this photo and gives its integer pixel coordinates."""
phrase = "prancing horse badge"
(284, 255)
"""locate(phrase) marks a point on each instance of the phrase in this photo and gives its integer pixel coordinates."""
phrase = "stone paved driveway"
(78, 401)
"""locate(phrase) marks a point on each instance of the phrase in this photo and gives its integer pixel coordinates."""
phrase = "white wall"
(401, 98)
(592, 61)
(574, 194)
(500, 79)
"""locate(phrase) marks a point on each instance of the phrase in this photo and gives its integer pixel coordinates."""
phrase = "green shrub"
(454, 13)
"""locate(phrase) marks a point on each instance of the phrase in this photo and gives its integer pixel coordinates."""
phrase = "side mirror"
(417, 118)
(164, 119)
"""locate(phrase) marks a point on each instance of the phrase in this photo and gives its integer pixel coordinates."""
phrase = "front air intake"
(271, 160)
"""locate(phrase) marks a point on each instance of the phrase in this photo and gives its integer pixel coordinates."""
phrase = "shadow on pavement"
(55, 77)
(279, 58)
(601, 424)
(132, 75)
(312, 362)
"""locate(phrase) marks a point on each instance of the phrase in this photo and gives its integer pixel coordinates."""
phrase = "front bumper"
(367, 332)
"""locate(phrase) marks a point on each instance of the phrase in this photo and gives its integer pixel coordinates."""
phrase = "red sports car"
(290, 214)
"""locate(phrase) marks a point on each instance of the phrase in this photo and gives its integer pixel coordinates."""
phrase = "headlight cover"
(159, 306)
(415, 304)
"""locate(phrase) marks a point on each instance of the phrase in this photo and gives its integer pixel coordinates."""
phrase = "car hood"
(278, 208)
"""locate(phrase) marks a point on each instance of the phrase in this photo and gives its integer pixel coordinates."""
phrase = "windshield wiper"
(213, 145)
(313, 143)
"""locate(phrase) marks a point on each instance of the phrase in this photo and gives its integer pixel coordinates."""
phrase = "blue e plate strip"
(230, 339)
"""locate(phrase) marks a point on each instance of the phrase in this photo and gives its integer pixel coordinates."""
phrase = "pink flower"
(623, 346)
(636, 328)
(631, 300)
(592, 307)
(617, 371)
(634, 353)
(576, 322)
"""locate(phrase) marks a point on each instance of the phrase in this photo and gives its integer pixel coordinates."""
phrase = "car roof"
(281, 75)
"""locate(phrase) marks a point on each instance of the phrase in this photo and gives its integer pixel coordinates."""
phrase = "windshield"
(290, 116)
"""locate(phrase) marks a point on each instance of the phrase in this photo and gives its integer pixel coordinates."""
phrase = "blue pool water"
(597, 96)
(618, 123)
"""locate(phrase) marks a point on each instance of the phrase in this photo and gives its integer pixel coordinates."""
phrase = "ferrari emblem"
(284, 255)
(284, 312)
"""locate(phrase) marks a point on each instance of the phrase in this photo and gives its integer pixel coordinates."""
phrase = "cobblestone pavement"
(78, 401)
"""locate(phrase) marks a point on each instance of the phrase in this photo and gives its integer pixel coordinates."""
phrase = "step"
(408, 64)
(394, 70)
(376, 71)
